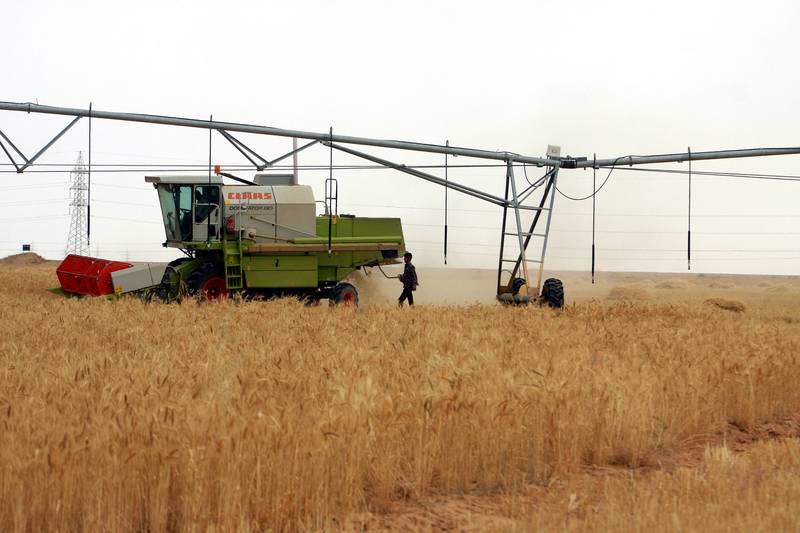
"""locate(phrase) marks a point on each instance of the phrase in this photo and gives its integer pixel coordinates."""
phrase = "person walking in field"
(409, 280)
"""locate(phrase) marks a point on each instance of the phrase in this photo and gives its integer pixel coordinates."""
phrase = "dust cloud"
(437, 286)
(457, 286)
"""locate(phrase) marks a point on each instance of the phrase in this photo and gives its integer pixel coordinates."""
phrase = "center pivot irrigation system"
(263, 235)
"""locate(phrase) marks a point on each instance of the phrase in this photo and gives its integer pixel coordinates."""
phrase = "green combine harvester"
(260, 239)
(266, 240)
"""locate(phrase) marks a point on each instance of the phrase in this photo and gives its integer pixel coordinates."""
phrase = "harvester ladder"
(332, 196)
(331, 202)
(516, 239)
(233, 265)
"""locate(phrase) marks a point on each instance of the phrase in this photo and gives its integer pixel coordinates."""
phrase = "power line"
(655, 215)
(37, 202)
(423, 208)
(635, 232)
(642, 250)
(638, 258)
(60, 184)
(33, 219)
(781, 177)
(110, 168)
(140, 221)
(115, 202)
(144, 187)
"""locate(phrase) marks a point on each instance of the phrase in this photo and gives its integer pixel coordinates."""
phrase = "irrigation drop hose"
(384, 273)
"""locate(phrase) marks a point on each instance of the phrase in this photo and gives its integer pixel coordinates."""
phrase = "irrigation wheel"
(552, 293)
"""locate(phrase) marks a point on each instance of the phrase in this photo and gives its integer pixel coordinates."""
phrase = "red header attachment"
(88, 275)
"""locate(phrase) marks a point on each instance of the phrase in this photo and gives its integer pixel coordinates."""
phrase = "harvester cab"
(190, 209)
(194, 209)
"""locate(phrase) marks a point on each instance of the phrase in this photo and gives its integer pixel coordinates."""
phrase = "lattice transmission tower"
(77, 240)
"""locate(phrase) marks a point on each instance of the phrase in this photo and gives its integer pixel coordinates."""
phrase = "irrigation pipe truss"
(513, 200)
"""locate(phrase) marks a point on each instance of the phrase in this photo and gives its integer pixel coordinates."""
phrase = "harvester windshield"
(176, 209)
(190, 207)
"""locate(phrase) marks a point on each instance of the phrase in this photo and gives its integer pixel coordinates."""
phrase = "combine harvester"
(262, 238)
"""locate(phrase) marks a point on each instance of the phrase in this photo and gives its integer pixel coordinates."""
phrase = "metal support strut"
(89, 186)
(29, 162)
(422, 175)
(331, 196)
(689, 226)
(594, 210)
(251, 155)
(518, 220)
(524, 237)
(447, 143)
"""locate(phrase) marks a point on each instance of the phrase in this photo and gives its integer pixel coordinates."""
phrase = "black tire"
(344, 294)
(552, 293)
(517, 284)
(199, 278)
(170, 287)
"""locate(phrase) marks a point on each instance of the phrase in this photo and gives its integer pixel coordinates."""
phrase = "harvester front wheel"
(207, 282)
(344, 294)
(552, 293)
(169, 290)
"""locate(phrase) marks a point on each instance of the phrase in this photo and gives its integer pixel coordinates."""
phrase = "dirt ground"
(459, 286)
(23, 259)
(451, 286)
(576, 496)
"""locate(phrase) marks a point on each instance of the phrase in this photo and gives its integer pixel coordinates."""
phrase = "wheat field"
(247, 416)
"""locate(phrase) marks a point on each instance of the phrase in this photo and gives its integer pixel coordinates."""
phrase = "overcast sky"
(613, 78)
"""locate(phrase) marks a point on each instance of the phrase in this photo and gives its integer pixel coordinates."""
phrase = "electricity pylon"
(77, 240)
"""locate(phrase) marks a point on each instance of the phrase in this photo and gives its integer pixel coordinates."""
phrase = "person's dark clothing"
(407, 294)
(409, 279)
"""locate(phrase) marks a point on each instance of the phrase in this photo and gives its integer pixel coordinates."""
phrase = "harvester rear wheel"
(207, 282)
(552, 293)
(344, 294)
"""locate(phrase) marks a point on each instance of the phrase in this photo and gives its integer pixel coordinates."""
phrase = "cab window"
(206, 200)
(176, 209)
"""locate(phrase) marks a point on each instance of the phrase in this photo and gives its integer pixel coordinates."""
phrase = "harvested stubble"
(627, 293)
(721, 285)
(756, 491)
(672, 284)
(122, 415)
